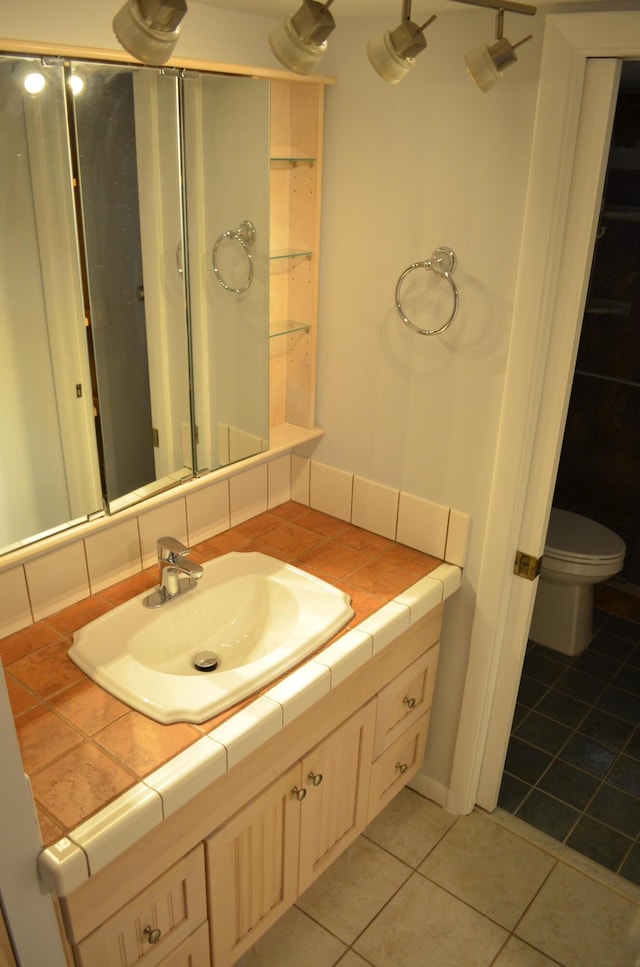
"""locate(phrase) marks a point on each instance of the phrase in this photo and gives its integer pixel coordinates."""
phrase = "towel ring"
(245, 235)
(443, 262)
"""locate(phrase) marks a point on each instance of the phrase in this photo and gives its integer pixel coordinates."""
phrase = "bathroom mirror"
(125, 131)
(50, 473)
(134, 335)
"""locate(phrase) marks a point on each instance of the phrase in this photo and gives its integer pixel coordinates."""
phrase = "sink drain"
(206, 661)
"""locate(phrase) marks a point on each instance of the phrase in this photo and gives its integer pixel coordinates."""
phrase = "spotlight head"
(392, 54)
(300, 41)
(149, 29)
(486, 65)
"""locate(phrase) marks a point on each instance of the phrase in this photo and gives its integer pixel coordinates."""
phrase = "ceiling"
(375, 8)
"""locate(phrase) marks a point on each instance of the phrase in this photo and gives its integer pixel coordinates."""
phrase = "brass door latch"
(527, 566)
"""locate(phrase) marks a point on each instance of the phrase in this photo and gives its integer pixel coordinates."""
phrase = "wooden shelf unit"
(295, 196)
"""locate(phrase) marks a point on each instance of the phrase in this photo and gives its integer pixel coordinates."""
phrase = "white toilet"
(578, 553)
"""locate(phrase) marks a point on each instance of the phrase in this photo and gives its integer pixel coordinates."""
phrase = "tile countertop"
(102, 774)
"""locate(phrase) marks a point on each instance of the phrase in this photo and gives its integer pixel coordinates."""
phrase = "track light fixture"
(149, 29)
(392, 54)
(300, 41)
(486, 64)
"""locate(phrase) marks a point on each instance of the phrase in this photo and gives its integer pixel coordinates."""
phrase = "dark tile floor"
(573, 762)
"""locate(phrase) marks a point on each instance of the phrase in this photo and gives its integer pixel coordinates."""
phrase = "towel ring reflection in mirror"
(443, 262)
(245, 235)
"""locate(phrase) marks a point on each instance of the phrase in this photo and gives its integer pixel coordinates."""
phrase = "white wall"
(429, 162)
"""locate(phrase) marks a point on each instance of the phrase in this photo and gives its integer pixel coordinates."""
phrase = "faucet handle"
(169, 548)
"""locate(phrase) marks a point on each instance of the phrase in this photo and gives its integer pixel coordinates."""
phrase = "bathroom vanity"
(204, 885)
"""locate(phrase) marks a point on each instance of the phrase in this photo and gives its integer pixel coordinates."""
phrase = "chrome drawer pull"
(402, 767)
(409, 702)
(298, 793)
(315, 778)
(153, 934)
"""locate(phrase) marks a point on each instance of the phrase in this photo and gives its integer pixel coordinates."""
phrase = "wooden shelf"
(296, 163)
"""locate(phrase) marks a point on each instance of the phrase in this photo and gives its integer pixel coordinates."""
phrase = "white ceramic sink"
(257, 615)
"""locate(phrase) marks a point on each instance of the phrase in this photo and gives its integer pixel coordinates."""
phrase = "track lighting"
(300, 41)
(486, 64)
(393, 53)
(149, 29)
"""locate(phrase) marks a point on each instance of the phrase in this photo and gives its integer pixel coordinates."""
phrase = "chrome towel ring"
(443, 262)
(245, 235)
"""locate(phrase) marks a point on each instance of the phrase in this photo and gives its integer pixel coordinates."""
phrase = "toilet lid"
(572, 537)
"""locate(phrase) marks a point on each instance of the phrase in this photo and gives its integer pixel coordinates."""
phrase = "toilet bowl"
(578, 554)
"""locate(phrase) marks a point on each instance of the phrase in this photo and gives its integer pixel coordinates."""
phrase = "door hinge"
(527, 566)
(155, 437)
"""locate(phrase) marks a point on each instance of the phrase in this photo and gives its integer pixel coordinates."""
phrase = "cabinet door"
(336, 777)
(252, 865)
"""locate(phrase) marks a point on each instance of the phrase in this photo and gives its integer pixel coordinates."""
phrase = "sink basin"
(252, 616)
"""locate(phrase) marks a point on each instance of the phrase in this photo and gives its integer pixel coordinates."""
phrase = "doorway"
(577, 92)
(573, 762)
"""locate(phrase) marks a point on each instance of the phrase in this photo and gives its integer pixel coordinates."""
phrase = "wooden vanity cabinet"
(336, 777)
(270, 852)
(252, 868)
(221, 870)
(274, 848)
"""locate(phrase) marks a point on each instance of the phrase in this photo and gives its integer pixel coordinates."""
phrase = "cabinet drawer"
(192, 952)
(174, 905)
(404, 700)
(397, 765)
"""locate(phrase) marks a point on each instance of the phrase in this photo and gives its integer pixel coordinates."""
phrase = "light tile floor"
(423, 888)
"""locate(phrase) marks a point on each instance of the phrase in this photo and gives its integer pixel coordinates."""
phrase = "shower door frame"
(576, 101)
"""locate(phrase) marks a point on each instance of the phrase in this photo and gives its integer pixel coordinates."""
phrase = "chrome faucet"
(178, 573)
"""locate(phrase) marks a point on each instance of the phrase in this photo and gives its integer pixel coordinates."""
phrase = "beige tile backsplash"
(208, 512)
(57, 579)
(15, 608)
(422, 524)
(278, 481)
(248, 494)
(113, 554)
(375, 507)
(51, 580)
(330, 490)
(169, 519)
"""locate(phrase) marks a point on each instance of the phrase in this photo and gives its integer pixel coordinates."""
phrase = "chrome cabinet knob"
(401, 767)
(298, 793)
(315, 778)
(153, 934)
(409, 702)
